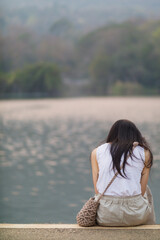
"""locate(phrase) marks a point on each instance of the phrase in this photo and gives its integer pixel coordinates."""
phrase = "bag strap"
(134, 145)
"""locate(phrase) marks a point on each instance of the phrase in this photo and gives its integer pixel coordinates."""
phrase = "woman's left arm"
(95, 169)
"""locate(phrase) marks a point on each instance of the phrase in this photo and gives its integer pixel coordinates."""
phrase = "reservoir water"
(45, 170)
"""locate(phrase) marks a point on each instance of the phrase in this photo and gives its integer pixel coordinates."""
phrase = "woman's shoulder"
(99, 149)
(140, 152)
(145, 151)
(139, 149)
(102, 147)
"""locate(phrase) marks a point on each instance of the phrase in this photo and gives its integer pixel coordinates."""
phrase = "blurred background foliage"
(69, 48)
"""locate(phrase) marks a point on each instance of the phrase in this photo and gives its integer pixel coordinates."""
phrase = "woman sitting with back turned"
(128, 201)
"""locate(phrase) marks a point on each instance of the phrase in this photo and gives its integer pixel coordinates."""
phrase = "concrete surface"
(74, 231)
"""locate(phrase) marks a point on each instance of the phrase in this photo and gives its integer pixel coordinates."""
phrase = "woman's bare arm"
(95, 169)
(145, 173)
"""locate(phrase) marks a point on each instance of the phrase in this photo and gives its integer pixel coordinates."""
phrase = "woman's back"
(121, 186)
(128, 200)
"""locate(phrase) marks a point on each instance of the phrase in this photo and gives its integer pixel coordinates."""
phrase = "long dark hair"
(122, 135)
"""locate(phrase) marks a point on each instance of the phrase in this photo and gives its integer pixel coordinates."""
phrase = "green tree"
(39, 77)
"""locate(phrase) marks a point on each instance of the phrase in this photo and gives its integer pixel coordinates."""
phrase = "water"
(45, 170)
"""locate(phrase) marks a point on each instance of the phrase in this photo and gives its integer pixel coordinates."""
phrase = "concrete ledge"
(74, 231)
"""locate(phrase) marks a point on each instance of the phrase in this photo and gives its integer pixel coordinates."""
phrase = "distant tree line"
(117, 59)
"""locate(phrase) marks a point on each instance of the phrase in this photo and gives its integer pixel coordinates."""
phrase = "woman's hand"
(95, 169)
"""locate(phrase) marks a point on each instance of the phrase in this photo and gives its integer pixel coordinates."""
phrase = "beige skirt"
(126, 210)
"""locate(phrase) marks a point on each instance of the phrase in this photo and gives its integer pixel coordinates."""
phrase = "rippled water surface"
(45, 171)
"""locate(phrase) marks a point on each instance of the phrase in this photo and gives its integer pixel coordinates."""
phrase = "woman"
(128, 201)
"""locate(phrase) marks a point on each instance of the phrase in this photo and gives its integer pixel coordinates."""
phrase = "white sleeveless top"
(120, 186)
